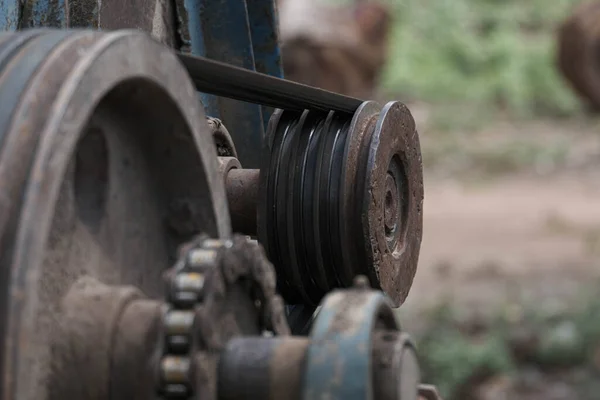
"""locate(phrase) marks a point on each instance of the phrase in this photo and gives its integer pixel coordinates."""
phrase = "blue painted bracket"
(264, 29)
(338, 361)
(241, 33)
(19, 14)
(10, 14)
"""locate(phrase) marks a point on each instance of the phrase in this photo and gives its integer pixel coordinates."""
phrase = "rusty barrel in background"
(578, 52)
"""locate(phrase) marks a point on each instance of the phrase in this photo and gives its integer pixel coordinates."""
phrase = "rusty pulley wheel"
(578, 51)
(342, 196)
(389, 206)
(106, 167)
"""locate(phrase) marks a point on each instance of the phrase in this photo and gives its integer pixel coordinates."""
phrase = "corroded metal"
(220, 30)
(263, 368)
(396, 371)
(86, 188)
(264, 31)
(391, 203)
(107, 338)
(222, 138)
(107, 166)
(357, 351)
(241, 186)
(234, 295)
(156, 17)
(342, 196)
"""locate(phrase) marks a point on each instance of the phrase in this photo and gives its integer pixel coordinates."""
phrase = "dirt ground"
(528, 233)
(483, 241)
(511, 222)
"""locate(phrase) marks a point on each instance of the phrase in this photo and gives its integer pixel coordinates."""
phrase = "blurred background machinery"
(121, 277)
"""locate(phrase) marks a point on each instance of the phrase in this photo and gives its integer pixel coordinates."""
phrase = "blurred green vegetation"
(487, 54)
(460, 355)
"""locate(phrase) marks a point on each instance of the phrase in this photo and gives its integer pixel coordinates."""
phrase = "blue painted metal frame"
(19, 14)
(238, 32)
(10, 14)
(338, 362)
(242, 33)
(264, 30)
(47, 13)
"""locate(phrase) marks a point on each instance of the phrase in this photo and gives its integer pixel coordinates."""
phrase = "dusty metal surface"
(264, 31)
(218, 290)
(355, 343)
(355, 351)
(88, 146)
(9, 14)
(220, 30)
(263, 368)
(156, 17)
(222, 138)
(241, 186)
(396, 372)
(108, 166)
(226, 164)
(108, 334)
(391, 205)
(342, 196)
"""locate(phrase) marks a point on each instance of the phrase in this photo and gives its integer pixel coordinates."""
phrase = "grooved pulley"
(342, 195)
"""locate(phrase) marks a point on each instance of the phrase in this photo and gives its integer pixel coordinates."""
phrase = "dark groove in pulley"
(307, 159)
(341, 196)
(225, 80)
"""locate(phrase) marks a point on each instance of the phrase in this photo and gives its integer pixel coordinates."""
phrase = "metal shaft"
(242, 187)
(225, 80)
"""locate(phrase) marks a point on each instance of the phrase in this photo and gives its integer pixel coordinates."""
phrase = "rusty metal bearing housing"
(355, 350)
(106, 167)
(342, 196)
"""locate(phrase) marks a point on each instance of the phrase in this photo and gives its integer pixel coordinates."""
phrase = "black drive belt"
(225, 80)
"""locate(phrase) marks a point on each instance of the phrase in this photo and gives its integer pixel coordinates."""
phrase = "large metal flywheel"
(106, 167)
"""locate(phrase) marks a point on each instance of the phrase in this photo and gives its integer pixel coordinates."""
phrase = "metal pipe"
(225, 80)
